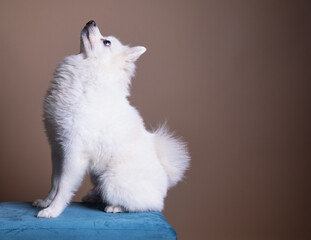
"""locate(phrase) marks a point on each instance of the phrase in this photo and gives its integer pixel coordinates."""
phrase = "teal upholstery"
(81, 221)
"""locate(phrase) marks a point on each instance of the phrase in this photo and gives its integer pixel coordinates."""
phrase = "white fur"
(92, 127)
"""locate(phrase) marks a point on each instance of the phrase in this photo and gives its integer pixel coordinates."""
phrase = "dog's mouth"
(87, 33)
(87, 29)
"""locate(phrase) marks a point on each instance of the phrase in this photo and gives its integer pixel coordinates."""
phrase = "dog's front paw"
(40, 203)
(48, 213)
(114, 209)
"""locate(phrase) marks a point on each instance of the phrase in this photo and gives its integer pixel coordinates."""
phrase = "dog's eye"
(106, 42)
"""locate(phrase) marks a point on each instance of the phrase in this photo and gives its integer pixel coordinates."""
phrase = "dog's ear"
(133, 53)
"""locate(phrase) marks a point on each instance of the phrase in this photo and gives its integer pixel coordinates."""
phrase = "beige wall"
(232, 77)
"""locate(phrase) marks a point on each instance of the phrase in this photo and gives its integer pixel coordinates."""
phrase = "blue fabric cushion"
(81, 221)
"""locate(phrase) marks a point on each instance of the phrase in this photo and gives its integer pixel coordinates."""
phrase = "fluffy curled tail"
(173, 154)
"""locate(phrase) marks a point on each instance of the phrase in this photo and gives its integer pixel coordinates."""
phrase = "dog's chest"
(81, 100)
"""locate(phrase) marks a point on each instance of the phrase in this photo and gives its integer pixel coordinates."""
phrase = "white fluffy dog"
(92, 127)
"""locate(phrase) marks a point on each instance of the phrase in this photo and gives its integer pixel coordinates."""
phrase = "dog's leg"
(56, 172)
(73, 170)
(93, 195)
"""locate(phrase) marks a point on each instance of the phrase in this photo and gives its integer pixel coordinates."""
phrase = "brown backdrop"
(232, 77)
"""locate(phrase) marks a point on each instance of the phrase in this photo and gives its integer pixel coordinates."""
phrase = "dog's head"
(108, 50)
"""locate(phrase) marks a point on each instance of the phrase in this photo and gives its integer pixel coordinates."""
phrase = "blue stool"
(81, 221)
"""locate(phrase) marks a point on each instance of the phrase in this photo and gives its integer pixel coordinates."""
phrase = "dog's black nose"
(91, 23)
